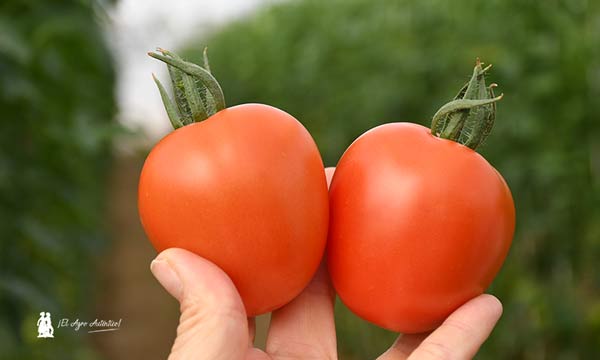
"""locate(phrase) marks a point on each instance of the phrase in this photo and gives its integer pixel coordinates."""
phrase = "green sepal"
(172, 111)
(179, 94)
(463, 104)
(189, 97)
(197, 93)
(205, 59)
(197, 72)
(469, 117)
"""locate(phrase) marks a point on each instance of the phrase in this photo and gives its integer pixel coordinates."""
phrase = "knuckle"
(198, 312)
(295, 350)
(461, 327)
(434, 350)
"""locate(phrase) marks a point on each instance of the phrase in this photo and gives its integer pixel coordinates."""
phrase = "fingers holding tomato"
(418, 222)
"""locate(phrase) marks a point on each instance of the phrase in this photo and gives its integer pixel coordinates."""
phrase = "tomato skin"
(246, 190)
(418, 226)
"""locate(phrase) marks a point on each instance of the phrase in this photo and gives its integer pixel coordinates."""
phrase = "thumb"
(213, 322)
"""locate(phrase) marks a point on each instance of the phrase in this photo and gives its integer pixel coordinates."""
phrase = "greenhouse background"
(70, 238)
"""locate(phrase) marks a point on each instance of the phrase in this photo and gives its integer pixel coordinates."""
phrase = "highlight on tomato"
(241, 186)
(419, 221)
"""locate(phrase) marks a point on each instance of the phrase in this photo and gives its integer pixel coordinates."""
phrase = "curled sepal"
(462, 104)
(179, 94)
(188, 94)
(477, 131)
(207, 98)
(205, 59)
(197, 93)
(172, 111)
(469, 117)
(440, 121)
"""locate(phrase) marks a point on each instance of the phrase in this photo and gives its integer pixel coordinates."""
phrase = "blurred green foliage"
(56, 95)
(344, 66)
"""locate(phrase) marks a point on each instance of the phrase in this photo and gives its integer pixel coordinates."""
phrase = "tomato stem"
(197, 93)
(469, 117)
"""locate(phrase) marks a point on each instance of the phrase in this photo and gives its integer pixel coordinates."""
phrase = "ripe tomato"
(418, 226)
(246, 190)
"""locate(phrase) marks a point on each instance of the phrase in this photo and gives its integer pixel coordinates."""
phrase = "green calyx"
(469, 117)
(197, 93)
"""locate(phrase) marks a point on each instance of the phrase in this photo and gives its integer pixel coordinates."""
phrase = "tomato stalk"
(469, 117)
(197, 93)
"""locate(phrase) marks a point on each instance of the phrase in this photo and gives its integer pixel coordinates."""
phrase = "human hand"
(214, 325)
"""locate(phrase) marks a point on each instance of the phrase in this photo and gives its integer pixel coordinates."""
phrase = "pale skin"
(214, 325)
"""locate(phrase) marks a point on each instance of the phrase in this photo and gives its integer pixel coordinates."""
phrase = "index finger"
(329, 174)
(461, 335)
(305, 327)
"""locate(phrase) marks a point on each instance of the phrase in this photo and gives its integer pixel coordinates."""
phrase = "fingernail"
(167, 277)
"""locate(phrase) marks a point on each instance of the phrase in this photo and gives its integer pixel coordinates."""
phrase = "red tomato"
(418, 226)
(246, 190)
